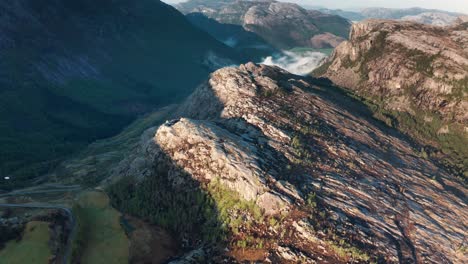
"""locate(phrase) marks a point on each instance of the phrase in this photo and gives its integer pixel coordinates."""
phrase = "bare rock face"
(283, 25)
(428, 66)
(417, 74)
(331, 183)
(461, 19)
(216, 154)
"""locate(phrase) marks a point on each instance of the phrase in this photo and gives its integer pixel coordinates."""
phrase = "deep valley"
(232, 131)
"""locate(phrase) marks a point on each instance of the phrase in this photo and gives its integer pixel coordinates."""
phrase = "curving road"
(52, 188)
(67, 211)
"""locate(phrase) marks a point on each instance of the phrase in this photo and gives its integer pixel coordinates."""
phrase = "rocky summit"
(294, 171)
(415, 74)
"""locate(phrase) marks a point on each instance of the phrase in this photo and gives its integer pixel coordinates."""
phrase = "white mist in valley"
(231, 42)
(300, 63)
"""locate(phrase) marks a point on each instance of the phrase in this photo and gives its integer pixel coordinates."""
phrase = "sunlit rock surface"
(313, 157)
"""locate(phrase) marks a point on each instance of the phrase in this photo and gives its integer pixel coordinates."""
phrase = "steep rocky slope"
(461, 19)
(73, 71)
(415, 75)
(283, 25)
(269, 166)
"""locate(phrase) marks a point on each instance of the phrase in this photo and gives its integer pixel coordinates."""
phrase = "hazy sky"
(450, 5)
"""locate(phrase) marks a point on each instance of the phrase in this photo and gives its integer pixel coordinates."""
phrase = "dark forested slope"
(74, 71)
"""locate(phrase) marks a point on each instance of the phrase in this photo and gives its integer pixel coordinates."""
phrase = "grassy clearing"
(232, 210)
(347, 252)
(32, 248)
(99, 237)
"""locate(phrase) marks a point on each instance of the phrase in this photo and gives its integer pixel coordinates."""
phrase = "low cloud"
(301, 63)
(231, 42)
(215, 62)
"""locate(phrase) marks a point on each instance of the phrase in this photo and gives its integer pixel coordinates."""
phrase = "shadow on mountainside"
(184, 208)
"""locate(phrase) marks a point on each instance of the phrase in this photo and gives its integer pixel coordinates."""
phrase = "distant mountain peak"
(282, 25)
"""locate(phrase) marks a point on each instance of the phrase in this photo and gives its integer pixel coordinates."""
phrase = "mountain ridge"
(261, 143)
(362, 161)
(273, 20)
(421, 15)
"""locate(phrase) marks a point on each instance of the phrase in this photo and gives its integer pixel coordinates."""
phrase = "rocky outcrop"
(217, 154)
(331, 184)
(461, 19)
(283, 25)
(416, 70)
